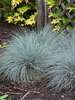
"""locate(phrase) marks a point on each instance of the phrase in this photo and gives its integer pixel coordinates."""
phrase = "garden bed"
(15, 92)
(6, 29)
(33, 93)
(37, 92)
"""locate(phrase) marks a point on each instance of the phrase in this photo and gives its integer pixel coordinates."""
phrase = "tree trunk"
(42, 14)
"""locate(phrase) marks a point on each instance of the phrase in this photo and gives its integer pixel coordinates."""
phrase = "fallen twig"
(13, 93)
(28, 93)
(25, 95)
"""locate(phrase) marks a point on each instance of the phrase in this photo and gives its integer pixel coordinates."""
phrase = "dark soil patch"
(6, 29)
(32, 93)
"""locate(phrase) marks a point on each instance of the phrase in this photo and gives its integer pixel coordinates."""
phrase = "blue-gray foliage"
(62, 75)
(47, 55)
(28, 56)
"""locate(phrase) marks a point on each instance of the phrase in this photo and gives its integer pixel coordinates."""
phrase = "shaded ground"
(6, 29)
(33, 93)
(28, 93)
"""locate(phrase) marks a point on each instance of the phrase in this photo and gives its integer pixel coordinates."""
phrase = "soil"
(6, 29)
(33, 93)
(15, 92)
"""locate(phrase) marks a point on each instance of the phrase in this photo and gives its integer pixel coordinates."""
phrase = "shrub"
(5, 8)
(62, 75)
(19, 12)
(23, 12)
(28, 55)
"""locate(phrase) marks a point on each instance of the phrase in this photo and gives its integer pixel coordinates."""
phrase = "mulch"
(7, 29)
(15, 92)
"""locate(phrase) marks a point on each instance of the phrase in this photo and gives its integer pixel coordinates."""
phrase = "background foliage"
(5, 8)
(24, 12)
(20, 12)
(56, 9)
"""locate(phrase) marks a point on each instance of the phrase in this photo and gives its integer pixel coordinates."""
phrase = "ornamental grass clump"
(62, 75)
(27, 57)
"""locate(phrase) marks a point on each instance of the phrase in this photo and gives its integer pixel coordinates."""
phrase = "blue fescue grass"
(46, 55)
(28, 56)
(62, 75)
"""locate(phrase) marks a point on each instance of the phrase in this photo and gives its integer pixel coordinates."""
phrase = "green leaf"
(8, 1)
(3, 97)
(6, 15)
